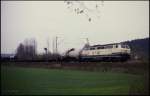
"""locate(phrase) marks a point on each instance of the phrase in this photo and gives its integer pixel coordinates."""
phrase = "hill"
(139, 48)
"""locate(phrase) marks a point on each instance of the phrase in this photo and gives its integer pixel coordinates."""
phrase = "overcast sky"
(118, 21)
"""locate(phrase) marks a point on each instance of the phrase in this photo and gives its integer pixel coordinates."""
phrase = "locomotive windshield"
(125, 46)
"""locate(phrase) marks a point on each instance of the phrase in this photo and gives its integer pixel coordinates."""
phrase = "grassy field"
(38, 81)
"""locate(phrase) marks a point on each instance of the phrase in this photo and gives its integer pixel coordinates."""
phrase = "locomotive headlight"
(125, 51)
(128, 51)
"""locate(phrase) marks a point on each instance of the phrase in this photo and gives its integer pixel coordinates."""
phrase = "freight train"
(107, 52)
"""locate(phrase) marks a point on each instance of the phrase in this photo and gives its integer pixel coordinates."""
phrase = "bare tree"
(20, 51)
(27, 49)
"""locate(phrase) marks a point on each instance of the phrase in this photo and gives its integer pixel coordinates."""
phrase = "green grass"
(38, 81)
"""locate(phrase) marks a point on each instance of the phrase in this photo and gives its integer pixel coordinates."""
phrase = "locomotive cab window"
(101, 47)
(127, 46)
(92, 48)
(123, 46)
(108, 47)
(116, 46)
(86, 48)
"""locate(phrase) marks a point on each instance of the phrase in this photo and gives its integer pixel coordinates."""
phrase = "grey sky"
(119, 21)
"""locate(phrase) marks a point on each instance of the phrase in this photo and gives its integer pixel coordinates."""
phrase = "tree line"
(27, 50)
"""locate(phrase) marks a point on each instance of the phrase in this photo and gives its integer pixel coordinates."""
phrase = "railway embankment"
(134, 67)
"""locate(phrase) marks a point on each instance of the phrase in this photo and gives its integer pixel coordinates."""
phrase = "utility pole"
(87, 40)
(53, 45)
(56, 44)
(48, 45)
